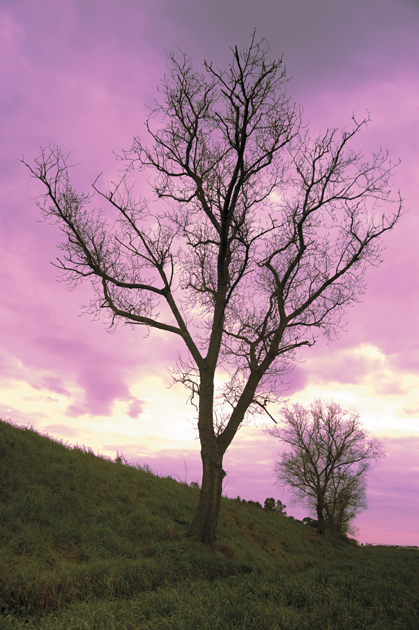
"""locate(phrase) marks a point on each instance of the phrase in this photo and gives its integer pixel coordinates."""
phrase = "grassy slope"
(80, 530)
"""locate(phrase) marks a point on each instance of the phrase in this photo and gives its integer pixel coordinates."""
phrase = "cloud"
(136, 408)
(76, 410)
(295, 381)
(53, 384)
(411, 411)
(360, 365)
(98, 375)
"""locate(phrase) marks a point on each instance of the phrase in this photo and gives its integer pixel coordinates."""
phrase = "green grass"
(91, 544)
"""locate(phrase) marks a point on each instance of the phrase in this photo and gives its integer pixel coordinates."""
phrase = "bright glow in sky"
(80, 74)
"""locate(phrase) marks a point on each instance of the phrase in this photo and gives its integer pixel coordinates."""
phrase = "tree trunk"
(205, 522)
(320, 520)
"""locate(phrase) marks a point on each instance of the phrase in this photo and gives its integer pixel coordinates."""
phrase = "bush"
(270, 506)
(253, 503)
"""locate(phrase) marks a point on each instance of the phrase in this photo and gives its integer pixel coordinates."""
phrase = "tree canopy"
(262, 244)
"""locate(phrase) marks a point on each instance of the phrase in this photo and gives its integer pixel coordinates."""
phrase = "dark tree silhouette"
(271, 506)
(266, 237)
(327, 465)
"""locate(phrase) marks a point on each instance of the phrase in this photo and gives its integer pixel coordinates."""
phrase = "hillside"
(78, 528)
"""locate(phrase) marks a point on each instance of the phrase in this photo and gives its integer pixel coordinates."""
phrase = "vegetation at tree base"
(266, 240)
(327, 466)
(91, 544)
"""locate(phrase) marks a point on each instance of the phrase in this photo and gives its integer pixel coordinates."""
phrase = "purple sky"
(80, 73)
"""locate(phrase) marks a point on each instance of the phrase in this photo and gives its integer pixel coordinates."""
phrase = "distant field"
(89, 544)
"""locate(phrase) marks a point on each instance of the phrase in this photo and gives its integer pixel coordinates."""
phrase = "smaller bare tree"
(326, 469)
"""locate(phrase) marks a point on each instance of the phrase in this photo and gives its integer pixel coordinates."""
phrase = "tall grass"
(87, 543)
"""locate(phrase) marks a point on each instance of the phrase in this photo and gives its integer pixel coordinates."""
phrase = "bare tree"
(330, 456)
(266, 237)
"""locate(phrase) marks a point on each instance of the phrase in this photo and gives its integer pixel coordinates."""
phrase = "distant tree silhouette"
(271, 506)
(327, 465)
(266, 238)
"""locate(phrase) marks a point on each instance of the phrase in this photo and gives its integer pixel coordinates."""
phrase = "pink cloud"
(136, 408)
(100, 376)
(53, 384)
(411, 411)
(295, 381)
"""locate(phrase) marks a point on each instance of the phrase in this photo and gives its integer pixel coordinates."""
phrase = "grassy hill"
(87, 543)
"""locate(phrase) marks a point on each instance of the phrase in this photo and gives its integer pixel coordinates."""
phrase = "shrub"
(254, 504)
(270, 506)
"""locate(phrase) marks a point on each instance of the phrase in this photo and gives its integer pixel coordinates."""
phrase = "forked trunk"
(205, 522)
(213, 447)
